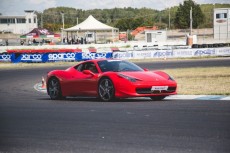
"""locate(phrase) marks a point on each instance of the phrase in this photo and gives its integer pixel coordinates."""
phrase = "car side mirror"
(146, 69)
(88, 72)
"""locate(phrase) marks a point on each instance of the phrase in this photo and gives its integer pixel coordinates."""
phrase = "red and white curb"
(39, 88)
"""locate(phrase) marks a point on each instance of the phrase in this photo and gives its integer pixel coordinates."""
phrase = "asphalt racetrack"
(32, 123)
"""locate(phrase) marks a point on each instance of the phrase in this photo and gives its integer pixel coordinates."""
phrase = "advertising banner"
(222, 51)
(27, 58)
(4, 57)
(183, 53)
(81, 56)
(123, 55)
(52, 57)
(91, 55)
(162, 53)
(142, 54)
(204, 52)
(30, 58)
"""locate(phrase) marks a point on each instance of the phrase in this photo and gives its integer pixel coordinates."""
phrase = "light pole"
(63, 26)
(77, 24)
(213, 19)
(41, 24)
(191, 21)
(169, 18)
(41, 20)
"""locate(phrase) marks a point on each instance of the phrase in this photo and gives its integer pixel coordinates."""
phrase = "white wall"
(156, 35)
(221, 25)
(20, 28)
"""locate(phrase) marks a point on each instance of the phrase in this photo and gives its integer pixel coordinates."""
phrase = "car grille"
(148, 90)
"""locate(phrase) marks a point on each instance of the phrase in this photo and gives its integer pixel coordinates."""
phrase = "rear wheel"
(157, 98)
(54, 89)
(106, 90)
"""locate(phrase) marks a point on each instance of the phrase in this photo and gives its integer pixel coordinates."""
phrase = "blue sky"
(17, 7)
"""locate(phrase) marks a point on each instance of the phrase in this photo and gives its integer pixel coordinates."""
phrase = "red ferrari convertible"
(109, 79)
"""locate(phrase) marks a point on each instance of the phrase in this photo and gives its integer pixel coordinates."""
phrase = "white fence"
(175, 53)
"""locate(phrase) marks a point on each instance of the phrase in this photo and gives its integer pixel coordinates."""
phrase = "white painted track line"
(39, 88)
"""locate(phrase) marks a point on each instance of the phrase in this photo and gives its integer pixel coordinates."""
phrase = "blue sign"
(5, 57)
(60, 57)
(29, 58)
(88, 56)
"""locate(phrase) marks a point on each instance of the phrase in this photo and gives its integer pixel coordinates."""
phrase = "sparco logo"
(31, 57)
(93, 55)
(5, 57)
(62, 56)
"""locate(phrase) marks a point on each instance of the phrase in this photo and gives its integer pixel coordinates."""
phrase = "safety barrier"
(51, 57)
(173, 53)
(30, 57)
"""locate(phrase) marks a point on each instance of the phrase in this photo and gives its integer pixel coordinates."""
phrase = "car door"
(85, 84)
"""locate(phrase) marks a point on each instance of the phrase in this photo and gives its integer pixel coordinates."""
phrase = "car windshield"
(118, 66)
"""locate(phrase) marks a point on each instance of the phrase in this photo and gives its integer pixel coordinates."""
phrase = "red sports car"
(109, 79)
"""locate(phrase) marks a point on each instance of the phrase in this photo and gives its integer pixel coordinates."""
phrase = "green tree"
(182, 19)
(131, 18)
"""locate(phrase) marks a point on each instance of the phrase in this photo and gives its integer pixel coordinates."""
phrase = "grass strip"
(202, 81)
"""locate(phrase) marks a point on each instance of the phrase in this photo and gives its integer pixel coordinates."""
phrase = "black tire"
(54, 89)
(106, 90)
(157, 98)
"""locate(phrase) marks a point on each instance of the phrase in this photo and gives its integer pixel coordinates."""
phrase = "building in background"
(221, 23)
(18, 24)
(154, 36)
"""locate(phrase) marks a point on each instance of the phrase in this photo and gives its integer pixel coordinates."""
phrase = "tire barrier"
(32, 57)
(216, 45)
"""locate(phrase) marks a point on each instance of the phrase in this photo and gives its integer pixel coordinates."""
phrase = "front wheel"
(157, 98)
(54, 89)
(106, 90)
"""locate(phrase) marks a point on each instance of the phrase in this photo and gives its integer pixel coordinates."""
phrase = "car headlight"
(171, 78)
(127, 77)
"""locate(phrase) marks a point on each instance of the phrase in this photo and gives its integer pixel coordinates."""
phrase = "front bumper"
(143, 89)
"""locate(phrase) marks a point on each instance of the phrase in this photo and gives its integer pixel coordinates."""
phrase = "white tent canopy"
(90, 24)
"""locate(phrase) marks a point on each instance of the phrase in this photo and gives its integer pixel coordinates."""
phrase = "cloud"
(212, 1)
(12, 7)
(17, 7)
(99, 4)
(44, 3)
(123, 3)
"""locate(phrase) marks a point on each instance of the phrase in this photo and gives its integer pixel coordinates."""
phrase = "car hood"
(144, 76)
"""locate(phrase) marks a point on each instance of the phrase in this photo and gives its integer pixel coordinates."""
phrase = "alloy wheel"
(106, 90)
